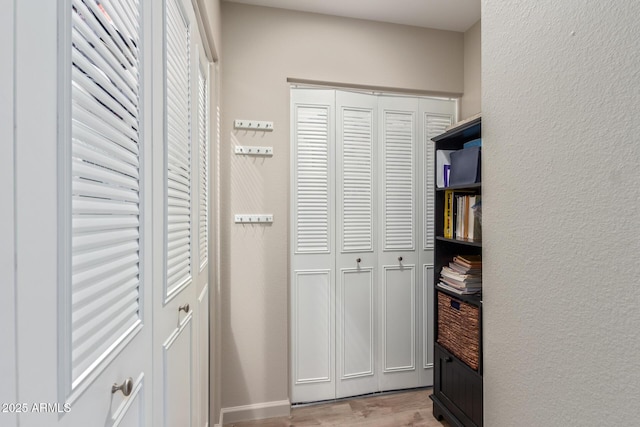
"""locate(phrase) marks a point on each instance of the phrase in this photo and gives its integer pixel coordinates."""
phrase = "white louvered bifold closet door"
(312, 244)
(203, 170)
(105, 179)
(356, 264)
(178, 133)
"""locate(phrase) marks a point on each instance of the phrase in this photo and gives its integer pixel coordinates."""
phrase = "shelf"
(475, 299)
(466, 242)
(466, 131)
(476, 186)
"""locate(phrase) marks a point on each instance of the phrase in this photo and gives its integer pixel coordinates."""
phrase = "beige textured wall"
(470, 102)
(560, 101)
(262, 48)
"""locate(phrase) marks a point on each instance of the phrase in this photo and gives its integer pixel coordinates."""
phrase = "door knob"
(184, 308)
(358, 260)
(400, 258)
(126, 387)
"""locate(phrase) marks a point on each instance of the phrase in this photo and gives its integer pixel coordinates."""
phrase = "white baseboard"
(258, 411)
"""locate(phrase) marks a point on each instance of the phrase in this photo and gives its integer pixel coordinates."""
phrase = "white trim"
(204, 26)
(257, 411)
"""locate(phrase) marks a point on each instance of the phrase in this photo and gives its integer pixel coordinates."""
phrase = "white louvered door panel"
(179, 156)
(312, 245)
(84, 185)
(435, 116)
(203, 169)
(178, 143)
(105, 171)
(356, 174)
(434, 125)
(312, 201)
(398, 308)
(356, 263)
(399, 181)
(201, 275)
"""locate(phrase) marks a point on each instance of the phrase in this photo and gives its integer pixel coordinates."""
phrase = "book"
(471, 201)
(458, 291)
(453, 283)
(470, 261)
(473, 143)
(448, 214)
(460, 284)
(460, 209)
(463, 278)
(464, 270)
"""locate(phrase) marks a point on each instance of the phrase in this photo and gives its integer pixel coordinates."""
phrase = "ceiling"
(453, 15)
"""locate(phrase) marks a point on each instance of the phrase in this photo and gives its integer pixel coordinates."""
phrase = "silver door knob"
(126, 387)
(184, 308)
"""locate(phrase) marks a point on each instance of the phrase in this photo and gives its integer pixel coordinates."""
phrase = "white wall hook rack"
(254, 151)
(254, 219)
(253, 125)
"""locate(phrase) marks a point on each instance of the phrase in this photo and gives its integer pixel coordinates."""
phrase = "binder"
(465, 166)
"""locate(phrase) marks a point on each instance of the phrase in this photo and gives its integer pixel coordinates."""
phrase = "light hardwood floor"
(411, 408)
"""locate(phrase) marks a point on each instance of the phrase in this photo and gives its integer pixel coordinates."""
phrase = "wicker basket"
(459, 329)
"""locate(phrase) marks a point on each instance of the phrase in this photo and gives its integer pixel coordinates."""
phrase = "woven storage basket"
(459, 329)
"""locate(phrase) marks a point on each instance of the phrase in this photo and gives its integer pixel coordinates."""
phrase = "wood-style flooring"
(411, 408)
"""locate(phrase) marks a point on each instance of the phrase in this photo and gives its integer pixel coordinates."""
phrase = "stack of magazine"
(463, 275)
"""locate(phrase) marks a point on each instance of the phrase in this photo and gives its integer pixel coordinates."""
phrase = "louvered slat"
(203, 176)
(398, 180)
(105, 240)
(435, 124)
(357, 180)
(178, 116)
(312, 204)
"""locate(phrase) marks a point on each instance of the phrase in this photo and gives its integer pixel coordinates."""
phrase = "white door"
(83, 213)
(177, 257)
(436, 115)
(312, 244)
(201, 407)
(7, 219)
(397, 257)
(356, 256)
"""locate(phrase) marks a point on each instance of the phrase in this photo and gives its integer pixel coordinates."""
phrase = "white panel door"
(7, 218)
(83, 213)
(312, 245)
(398, 257)
(356, 263)
(201, 276)
(177, 256)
